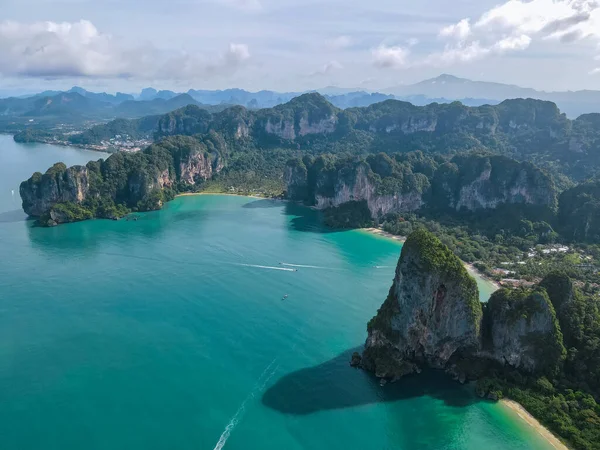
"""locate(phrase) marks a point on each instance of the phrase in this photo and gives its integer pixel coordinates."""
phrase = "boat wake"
(267, 267)
(303, 265)
(258, 388)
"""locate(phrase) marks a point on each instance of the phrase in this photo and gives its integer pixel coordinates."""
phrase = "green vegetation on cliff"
(436, 257)
(122, 183)
(564, 398)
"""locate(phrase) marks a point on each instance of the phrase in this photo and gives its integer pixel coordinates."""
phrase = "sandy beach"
(380, 232)
(471, 268)
(532, 421)
(188, 194)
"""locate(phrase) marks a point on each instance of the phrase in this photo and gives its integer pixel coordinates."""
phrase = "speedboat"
(284, 297)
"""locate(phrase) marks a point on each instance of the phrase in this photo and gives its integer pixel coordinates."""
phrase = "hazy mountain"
(449, 87)
(66, 104)
(159, 105)
(355, 99)
(102, 96)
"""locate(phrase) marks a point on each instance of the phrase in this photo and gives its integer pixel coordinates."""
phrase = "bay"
(171, 332)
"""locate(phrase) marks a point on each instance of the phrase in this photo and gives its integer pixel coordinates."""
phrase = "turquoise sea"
(170, 332)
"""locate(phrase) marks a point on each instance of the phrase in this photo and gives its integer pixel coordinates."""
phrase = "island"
(539, 346)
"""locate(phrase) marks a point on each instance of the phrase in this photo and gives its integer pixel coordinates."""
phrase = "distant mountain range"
(77, 105)
(449, 87)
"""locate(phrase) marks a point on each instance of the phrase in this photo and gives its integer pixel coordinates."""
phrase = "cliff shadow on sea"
(304, 218)
(335, 385)
(16, 215)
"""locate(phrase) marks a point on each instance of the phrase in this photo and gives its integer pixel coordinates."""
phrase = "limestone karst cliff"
(432, 312)
(398, 184)
(520, 329)
(433, 318)
(124, 181)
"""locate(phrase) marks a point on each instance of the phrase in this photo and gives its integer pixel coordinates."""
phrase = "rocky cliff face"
(357, 185)
(521, 330)
(472, 182)
(431, 314)
(485, 182)
(57, 185)
(141, 181)
(432, 317)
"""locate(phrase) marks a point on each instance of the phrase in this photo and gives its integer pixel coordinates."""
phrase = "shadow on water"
(13, 216)
(303, 218)
(335, 385)
(264, 203)
(306, 219)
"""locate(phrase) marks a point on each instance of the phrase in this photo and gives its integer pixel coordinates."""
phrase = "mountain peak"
(446, 78)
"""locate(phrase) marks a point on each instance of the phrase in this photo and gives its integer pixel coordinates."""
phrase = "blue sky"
(295, 45)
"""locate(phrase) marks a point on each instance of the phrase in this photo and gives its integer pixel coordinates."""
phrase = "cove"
(171, 332)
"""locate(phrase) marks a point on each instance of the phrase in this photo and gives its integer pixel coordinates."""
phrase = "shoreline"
(191, 194)
(470, 267)
(385, 234)
(520, 411)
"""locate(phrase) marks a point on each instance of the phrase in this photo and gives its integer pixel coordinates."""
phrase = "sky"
(295, 45)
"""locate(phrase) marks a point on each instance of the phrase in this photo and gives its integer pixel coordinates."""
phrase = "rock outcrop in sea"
(431, 314)
(432, 318)
(123, 182)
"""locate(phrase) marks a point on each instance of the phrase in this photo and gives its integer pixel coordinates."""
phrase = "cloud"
(595, 71)
(514, 25)
(78, 49)
(512, 43)
(339, 43)
(459, 31)
(390, 57)
(331, 66)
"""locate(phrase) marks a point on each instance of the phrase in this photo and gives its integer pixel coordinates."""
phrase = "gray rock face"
(296, 180)
(141, 183)
(432, 312)
(57, 185)
(288, 130)
(284, 129)
(199, 166)
(521, 330)
(432, 317)
(485, 182)
(357, 187)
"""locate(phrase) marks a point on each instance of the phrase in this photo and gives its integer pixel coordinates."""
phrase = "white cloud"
(514, 25)
(513, 43)
(78, 49)
(453, 54)
(340, 43)
(331, 66)
(459, 31)
(390, 57)
(595, 71)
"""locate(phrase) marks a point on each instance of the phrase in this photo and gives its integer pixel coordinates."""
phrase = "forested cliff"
(538, 345)
(123, 182)
(389, 157)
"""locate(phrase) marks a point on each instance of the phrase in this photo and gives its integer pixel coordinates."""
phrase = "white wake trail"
(303, 265)
(267, 267)
(258, 387)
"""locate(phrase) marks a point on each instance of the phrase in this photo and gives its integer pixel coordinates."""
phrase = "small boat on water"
(284, 297)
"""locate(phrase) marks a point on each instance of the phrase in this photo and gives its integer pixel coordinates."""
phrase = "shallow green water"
(164, 333)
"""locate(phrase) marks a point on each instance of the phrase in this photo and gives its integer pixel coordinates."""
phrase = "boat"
(284, 297)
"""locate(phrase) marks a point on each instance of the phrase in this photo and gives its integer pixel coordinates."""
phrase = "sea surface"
(171, 332)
